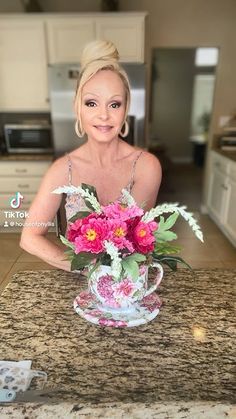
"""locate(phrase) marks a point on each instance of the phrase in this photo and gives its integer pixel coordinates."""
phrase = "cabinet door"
(127, 33)
(23, 65)
(230, 210)
(67, 38)
(217, 194)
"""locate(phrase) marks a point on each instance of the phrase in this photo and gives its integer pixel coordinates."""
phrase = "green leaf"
(165, 248)
(169, 222)
(78, 215)
(81, 260)
(165, 235)
(138, 257)
(70, 254)
(131, 267)
(66, 242)
(171, 261)
(95, 266)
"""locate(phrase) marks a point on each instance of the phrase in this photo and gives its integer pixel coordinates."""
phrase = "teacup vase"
(123, 294)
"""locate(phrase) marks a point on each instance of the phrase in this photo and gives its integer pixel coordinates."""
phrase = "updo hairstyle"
(99, 55)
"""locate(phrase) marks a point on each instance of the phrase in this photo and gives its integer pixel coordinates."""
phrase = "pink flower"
(151, 302)
(112, 323)
(90, 234)
(73, 230)
(104, 287)
(142, 269)
(122, 212)
(124, 288)
(117, 234)
(84, 299)
(141, 235)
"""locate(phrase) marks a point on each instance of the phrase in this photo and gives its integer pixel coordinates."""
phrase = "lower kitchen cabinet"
(230, 210)
(222, 194)
(22, 177)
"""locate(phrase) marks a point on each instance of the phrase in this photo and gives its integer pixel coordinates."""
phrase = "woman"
(104, 161)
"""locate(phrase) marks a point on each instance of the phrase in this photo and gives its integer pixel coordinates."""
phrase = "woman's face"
(103, 106)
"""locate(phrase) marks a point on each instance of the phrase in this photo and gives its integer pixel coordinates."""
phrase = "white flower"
(116, 266)
(165, 208)
(83, 192)
(127, 198)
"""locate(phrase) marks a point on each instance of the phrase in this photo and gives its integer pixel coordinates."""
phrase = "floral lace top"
(75, 203)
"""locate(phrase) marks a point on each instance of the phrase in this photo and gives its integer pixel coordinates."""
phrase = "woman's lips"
(103, 128)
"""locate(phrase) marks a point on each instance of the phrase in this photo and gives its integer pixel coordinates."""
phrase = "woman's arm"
(147, 180)
(41, 213)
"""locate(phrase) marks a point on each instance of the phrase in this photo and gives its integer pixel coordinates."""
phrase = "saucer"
(88, 307)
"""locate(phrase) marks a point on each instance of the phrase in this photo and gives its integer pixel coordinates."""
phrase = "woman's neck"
(103, 154)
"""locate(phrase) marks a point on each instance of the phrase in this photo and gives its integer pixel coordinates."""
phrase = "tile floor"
(182, 184)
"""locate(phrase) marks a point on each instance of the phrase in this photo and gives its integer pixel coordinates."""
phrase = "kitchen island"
(179, 365)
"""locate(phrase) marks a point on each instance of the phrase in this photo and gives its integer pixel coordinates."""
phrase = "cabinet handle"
(20, 170)
(25, 185)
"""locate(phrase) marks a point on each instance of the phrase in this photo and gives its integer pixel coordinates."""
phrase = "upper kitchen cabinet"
(67, 37)
(23, 65)
(127, 33)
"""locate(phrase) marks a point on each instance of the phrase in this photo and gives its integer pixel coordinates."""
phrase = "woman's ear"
(75, 106)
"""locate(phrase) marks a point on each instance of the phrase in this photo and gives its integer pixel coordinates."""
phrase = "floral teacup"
(122, 294)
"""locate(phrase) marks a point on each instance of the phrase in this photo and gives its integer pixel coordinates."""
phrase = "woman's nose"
(103, 112)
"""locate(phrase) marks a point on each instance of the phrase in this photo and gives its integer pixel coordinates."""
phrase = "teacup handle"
(36, 373)
(158, 278)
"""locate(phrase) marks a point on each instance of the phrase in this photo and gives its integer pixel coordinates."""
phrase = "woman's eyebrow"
(90, 94)
(94, 94)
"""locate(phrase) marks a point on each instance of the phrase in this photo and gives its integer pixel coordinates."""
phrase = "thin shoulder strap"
(69, 169)
(133, 167)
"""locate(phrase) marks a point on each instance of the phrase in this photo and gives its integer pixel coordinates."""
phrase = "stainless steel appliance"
(62, 86)
(28, 138)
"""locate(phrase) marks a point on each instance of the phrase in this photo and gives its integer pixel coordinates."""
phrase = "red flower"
(141, 235)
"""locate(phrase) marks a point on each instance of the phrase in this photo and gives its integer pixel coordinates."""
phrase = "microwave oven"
(30, 138)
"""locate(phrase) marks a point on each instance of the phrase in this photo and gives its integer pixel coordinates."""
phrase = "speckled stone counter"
(184, 357)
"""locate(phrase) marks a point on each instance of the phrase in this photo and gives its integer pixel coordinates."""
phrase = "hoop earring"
(79, 132)
(126, 130)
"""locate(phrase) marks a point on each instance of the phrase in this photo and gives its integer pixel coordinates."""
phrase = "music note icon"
(15, 202)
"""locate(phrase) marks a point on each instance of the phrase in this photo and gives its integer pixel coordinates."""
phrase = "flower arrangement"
(122, 235)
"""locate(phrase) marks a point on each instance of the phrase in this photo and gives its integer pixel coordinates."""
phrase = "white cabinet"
(28, 43)
(23, 65)
(222, 194)
(67, 36)
(18, 176)
(126, 33)
(230, 210)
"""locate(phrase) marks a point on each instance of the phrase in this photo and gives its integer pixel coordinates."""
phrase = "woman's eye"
(90, 103)
(115, 105)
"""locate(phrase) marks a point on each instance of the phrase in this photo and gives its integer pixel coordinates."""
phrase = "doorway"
(182, 90)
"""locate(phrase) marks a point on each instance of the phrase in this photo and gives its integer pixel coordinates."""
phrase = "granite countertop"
(183, 359)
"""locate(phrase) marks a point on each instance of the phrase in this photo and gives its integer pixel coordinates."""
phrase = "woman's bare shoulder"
(147, 158)
(57, 173)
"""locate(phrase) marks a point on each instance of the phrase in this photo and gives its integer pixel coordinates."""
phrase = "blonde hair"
(99, 55)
